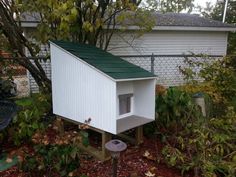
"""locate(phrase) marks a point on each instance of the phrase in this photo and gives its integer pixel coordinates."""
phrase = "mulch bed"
(132, 163)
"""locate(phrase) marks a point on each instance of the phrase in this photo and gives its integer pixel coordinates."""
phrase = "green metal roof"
(113, 66)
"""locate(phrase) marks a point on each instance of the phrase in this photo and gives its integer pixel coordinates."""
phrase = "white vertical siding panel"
(170, 43)
(80, 92)
(125, 87)
(144, 98)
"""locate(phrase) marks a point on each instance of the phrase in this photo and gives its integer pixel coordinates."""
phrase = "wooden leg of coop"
(60, 124)
(139, 135)
(105, 138)
(102, 154)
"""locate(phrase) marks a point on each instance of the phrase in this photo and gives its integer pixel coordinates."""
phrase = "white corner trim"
(135, 79)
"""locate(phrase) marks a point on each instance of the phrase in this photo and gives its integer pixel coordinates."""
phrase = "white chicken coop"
(88, 82)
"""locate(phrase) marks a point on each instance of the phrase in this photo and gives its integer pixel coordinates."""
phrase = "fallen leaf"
(146, 154)
(153, 168)
(149, 174)
(149, 156)
(71, 174)
(40, 167)
(8, 160)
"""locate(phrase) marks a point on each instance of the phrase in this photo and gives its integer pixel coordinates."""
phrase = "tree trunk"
(13, 32)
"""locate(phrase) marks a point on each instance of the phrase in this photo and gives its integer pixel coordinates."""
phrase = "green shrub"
(55, 152)
(218, 79)
(206, 146)
(173, 107)
(30, 118)
(203, 145)
(52, 158)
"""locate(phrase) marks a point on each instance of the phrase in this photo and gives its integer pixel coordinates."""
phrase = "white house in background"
(174, 34)
(88, 82)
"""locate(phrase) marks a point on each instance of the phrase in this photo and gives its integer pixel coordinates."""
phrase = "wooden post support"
(102, 154)
(137, 139)
(60, 124)
(105, 138)
(139, 135)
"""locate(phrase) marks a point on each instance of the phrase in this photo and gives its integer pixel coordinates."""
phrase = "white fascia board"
(182, 28)
(135, 79)
(158, 28)
(29, 24)
(190, 28)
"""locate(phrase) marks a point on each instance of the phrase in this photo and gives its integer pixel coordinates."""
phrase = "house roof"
(113, 66)
(188, 20)
(163, 22)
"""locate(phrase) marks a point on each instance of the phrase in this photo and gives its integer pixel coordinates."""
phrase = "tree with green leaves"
(176, 6)
(17, 43)
(84, 21)
(216, 11)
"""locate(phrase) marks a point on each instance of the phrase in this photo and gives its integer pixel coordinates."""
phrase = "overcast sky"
(203, 2)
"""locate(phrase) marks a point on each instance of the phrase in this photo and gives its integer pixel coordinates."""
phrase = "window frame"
(125, 96)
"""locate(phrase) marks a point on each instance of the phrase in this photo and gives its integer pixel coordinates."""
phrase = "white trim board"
(158, 28)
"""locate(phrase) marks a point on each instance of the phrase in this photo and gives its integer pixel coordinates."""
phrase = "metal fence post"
(152, 63)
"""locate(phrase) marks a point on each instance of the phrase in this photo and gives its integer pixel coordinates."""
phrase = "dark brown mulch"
(132, 163)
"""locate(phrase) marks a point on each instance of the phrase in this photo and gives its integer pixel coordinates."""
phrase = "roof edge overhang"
(183, 28)
(195, 28)
(26, 24)
(104, 74)
(29, 24)
(135, 79)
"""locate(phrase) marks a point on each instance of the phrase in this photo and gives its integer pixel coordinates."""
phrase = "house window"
(125, 103)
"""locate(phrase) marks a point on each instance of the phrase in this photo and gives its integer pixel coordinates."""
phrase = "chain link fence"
(165, 67)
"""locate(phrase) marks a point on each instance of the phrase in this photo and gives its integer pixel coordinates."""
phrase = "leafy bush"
(206, 146)
(30, 117)
(54, 153)
(48, 159)
(173, 107)
(218, 78)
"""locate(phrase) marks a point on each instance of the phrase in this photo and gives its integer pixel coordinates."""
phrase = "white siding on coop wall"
(170, 43)
(144, 98)
(80, 92)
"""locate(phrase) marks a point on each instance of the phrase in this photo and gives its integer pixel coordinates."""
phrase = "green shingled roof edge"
(113, 66)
